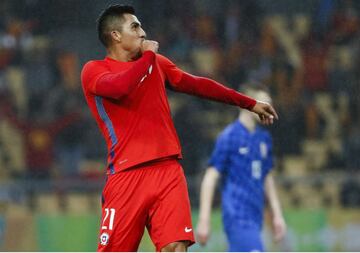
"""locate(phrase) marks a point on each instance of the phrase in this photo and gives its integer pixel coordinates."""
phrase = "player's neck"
(247, 120)
(120, 55)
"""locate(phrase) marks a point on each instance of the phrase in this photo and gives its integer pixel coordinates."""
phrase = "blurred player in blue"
(243, 159)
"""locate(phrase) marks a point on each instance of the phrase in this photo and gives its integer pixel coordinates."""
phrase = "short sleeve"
(90, 73)
(172, 72)
(220, 156)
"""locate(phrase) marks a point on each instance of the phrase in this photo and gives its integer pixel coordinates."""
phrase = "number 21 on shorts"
(108, 222)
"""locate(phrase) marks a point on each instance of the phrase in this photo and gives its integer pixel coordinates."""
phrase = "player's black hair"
(110, 19)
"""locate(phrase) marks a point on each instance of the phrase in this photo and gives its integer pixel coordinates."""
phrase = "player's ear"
(116, 35)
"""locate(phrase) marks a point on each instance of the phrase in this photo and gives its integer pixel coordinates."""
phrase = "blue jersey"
(244, 159)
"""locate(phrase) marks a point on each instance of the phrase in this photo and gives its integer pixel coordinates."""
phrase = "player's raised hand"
(149, 45)
(203, 232)
(279, 228)
(266, 112)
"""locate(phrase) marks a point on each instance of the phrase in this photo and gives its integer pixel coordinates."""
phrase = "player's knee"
(176, 246)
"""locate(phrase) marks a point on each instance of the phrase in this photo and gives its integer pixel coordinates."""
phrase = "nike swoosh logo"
(188, 230)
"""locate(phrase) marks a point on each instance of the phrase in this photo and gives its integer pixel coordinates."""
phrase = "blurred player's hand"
(279, 228)
(266, 112)
(203, 232)
(149, 45)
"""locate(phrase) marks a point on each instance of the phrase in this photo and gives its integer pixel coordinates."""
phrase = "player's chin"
(138, 54)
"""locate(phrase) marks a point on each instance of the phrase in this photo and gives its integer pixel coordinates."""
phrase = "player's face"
(132, 34)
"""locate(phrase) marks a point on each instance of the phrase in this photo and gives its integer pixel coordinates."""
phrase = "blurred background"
(52, 156)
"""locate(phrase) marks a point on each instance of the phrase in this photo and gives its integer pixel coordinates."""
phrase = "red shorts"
(155, 196)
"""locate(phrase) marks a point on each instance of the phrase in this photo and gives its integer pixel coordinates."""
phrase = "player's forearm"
(210, 89)
(207, 191)
(272, 197)
(121, 84)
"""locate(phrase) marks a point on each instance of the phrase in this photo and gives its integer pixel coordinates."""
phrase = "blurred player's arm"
(181, 81)
(277, 218)
(207, 191)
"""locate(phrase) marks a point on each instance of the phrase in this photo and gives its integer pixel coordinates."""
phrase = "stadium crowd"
(308, 57)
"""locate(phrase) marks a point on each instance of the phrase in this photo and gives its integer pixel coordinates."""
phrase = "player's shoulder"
(237, 128)
(94, 64)
(92, 69)
(163, 60)
(264, 133)
(229, 131)
(161, 57)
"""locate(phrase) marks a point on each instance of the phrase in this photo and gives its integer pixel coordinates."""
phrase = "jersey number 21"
(111, 220)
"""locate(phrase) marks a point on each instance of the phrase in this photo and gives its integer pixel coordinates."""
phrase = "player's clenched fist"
(203, 232)
(149, 45)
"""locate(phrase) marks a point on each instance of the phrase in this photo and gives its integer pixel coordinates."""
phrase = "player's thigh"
(170, 216)
(244, 239)
(124, 215)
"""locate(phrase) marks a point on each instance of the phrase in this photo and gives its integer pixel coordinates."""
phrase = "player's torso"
(248, 156)
(243, 185)
(148, 96)
(134, 125)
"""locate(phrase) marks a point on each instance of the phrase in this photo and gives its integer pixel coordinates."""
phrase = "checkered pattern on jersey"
(244, 159)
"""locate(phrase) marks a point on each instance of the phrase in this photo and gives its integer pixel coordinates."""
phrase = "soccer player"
(242, 158)
(125, 91)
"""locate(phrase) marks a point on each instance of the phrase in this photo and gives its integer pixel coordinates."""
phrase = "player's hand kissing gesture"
(150, 45)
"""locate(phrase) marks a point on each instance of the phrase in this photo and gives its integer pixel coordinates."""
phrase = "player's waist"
(144, 162)
(163, 161)
(244, 222)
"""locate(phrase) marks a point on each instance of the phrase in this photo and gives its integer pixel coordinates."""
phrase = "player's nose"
(142, 34)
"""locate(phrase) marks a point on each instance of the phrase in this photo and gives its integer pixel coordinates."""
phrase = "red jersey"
(129, 102)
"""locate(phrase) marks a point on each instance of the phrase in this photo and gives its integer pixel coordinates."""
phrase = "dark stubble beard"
(138, 54)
